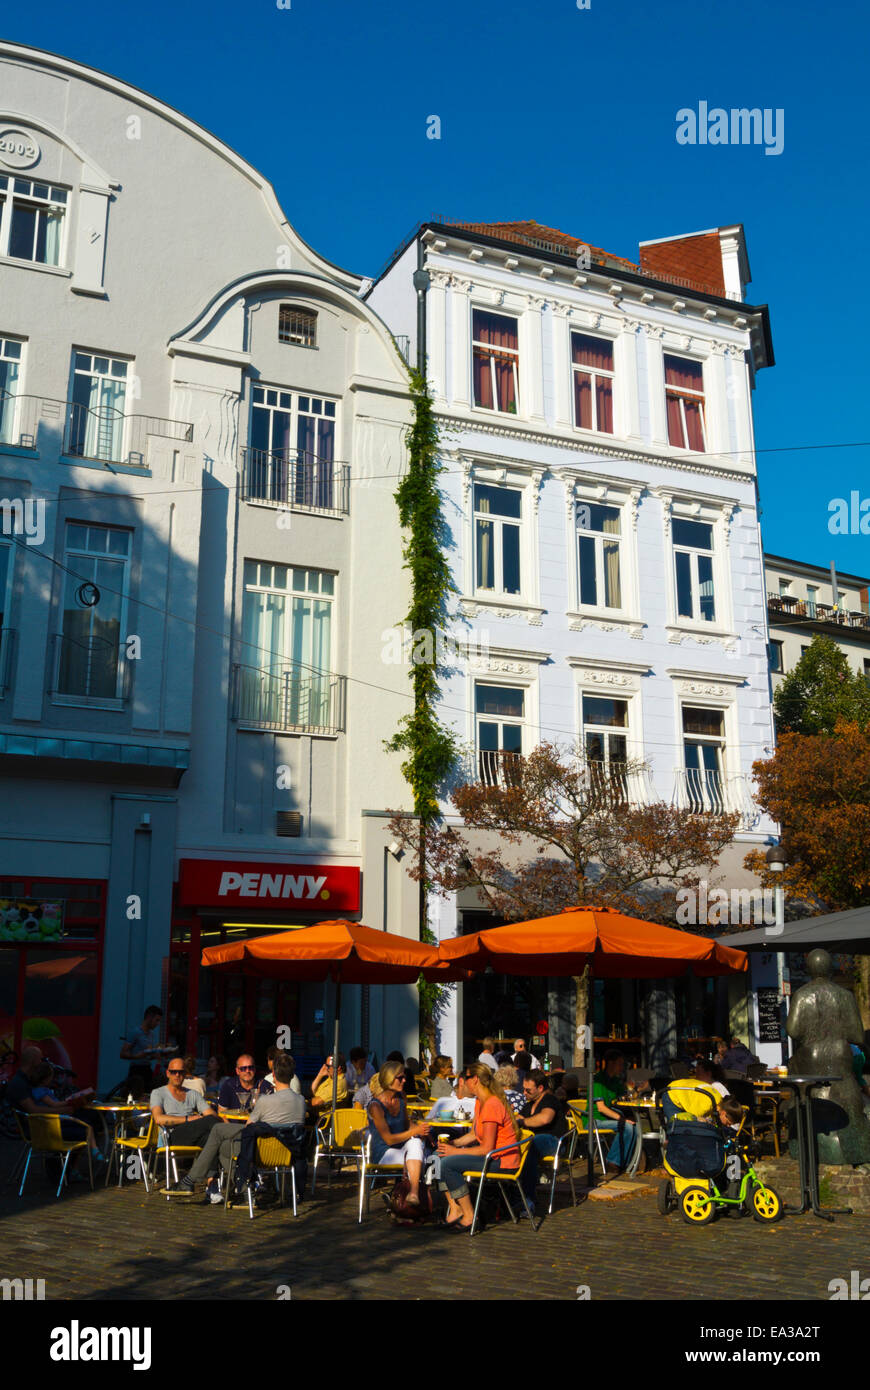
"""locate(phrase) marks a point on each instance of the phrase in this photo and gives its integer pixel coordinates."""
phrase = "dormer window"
(297, 326)
(31, 220)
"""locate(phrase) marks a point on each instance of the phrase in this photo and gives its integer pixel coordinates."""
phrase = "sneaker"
(213, 1195)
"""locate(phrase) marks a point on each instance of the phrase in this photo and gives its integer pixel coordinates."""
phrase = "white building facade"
(600, 493)
(206, 426)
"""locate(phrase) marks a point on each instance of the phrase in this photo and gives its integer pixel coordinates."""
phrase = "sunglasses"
(245, 1068)
(175, 1071)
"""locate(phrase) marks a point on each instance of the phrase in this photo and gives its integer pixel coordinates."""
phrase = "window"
(592, 360)
(684, 394)
(693, 560)
(292, 450)
(287, 645)
(298, 326)
(775, 660)
(605, 741)
(812, 599)
(95, 428)
(497, 518)
(784, 587)
(495, 350)
(10, 367)
(704, 751)
(31, 220)
(89, 664)
(499, 712)
(598, 532)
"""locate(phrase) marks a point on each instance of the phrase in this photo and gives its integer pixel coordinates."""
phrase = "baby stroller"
(702, 1180)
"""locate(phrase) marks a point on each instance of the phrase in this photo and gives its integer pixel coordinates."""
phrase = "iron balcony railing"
(496, 768)
(296, 479)
(90, 669)
(620, 784)
(8, 639)
(104, 435)
(289, 698)
(784, 605)
(708, 792)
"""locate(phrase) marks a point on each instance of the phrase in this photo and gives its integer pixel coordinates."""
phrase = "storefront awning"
(88, 760)
(836, 931)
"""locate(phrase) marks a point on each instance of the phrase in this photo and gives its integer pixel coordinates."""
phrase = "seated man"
(30, 1077)
(240, 1092)
(609, 1087)
(545, 1116)
(321, 1086)
(738, 1057)
(174, 1108)
(278, 1111)
(359, 1071)
(520, 1047)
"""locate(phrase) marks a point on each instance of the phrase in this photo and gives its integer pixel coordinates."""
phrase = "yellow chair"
(44, 1137)
(165, 1143)
(563, 1160)
(577, 1109)
(505, 1178)
(138, 1144)
(272, 1157)
(370, 1172)
(347, 1141)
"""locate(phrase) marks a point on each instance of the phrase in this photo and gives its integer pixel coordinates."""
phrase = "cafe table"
(121, 1115)
(646, 1116)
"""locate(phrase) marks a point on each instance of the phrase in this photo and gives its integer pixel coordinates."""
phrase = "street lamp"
(777, 860)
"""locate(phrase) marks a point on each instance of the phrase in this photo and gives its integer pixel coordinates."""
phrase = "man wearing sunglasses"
(241, 1092)
(185, 1112)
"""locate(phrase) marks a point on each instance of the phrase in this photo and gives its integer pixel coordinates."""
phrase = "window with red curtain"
(592, 361)
(684, 392)
(496, 358)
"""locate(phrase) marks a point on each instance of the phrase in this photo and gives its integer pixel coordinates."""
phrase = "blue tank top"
(395, 1124)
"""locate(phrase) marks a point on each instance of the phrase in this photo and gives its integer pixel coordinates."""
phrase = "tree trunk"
(862, 988)
(581, 1009)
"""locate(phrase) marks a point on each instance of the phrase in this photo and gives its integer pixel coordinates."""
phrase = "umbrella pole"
(590, 1111)
(335, 1061)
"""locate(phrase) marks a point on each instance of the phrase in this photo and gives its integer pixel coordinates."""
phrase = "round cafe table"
(806, 1145)
(121, 1116)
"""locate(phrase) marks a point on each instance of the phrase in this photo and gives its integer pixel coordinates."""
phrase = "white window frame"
(682, 391)
(523, 724)
(303, 310)
(687, 506)
(498, 523)
(812, 599)
(694, 553)
(721, 742)
(517, 353)
(9, 196)
(117, 701)
(13, 397)
(599, 538)
(120, 453)
(608, 492)
(526, 479)
(593, 373)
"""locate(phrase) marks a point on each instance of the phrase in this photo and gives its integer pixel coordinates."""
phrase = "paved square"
(120, 1244)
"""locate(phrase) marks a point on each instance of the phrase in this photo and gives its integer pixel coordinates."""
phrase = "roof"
(839, 931)
(807, 567)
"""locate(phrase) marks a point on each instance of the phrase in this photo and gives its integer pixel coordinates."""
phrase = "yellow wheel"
(766, 1204)
(696, 1206)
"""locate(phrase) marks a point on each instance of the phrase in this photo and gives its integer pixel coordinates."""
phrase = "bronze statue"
(824, 1019)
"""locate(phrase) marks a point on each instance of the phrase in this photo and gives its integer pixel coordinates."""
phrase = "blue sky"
(565, 116)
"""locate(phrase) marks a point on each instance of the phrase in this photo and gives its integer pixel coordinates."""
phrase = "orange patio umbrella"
(613, 945)
(346, 952)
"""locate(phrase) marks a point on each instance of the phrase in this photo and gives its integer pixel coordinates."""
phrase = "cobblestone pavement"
(120, 1244)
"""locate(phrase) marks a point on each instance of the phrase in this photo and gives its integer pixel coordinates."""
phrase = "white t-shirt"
(536, 1066)
(488, 1060)
(294, 1084)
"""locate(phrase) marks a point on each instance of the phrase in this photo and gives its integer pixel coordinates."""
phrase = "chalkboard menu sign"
(768, 1014)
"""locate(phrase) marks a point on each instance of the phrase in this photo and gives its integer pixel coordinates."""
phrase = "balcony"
(97, 435)
(705, 792)
(288, 699)
(496, 768)
(294, 479)
(90, 671)
(784, 608)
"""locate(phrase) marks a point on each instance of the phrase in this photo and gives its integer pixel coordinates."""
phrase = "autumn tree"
(818, 788)
(821, 689)
(552, 830)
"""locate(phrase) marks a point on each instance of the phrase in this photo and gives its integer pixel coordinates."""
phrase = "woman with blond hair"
(495, 1126)
(393, 1140)
(509, 1079)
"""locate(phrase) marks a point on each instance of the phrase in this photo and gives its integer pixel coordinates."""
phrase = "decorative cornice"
(677, 635)
(722, 677)
(472, 608)
(577, 622)
(595, 448)
(597, 663)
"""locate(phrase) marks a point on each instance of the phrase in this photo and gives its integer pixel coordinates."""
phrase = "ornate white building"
(600, 493)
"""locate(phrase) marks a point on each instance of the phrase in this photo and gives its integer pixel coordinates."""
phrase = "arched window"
(298, 326)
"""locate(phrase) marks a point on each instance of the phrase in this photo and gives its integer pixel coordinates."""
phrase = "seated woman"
(509, 1080)
(442, 1069)
(393, 1140)
(495, 1126)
